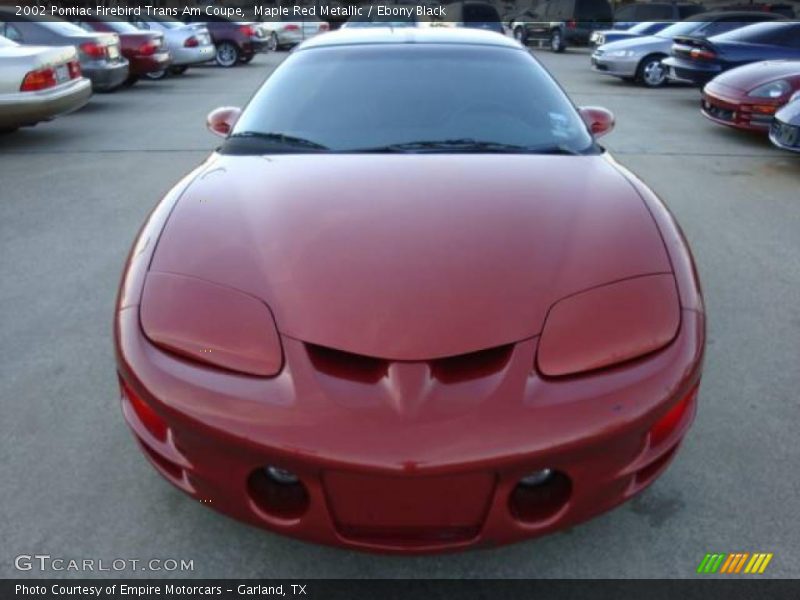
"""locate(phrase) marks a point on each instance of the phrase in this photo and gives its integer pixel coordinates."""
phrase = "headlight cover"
(773, 89)
(210, 323)
(608, 325)
(621, 53)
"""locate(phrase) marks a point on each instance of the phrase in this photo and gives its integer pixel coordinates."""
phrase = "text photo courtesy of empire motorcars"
(337, 294)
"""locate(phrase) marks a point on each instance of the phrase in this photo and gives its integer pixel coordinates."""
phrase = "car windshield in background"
(62, 27)
(121, 26)
(395, 98)
(682, 28)
(6, 43)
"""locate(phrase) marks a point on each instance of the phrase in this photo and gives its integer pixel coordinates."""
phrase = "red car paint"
(408, 397)
(727, 99)
(145, 50)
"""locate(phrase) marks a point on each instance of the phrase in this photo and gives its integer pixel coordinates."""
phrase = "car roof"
(717, 14)
(410, 35)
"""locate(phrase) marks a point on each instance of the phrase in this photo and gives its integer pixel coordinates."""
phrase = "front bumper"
(106, 76)
(785, 136)
(731, 108)
(440, 477)
(682, 71)
(27, 108)
(617, 66)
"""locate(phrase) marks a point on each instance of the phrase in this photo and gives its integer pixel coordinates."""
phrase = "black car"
(785, 131)
(236, 42)
(564, 23)
(477, 15)
(698, 61)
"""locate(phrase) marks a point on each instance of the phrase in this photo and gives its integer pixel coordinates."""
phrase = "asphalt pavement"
(73, 194)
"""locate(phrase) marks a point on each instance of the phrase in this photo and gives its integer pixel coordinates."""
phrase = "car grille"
(723, 114)
(786, 135)
(369, 369)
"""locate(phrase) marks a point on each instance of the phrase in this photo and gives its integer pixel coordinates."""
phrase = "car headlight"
(210, 323)
(621, 53)
(773, 89)
(608, 325)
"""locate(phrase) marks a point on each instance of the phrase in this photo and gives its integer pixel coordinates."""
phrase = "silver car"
(639, 59)
(284, 34)
(188, 43)
(38, 83)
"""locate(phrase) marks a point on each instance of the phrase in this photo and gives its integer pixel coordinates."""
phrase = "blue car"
(598, 38)
(698, 61)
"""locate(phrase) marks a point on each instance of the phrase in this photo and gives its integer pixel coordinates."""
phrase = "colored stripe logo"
(736, 563)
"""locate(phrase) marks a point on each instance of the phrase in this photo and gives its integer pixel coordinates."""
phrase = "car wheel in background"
(519, 34)
(156, 75)
(131, 80)
(557, 41)
(651, 72)
(272, 44)
(227, 54)
(179, 70)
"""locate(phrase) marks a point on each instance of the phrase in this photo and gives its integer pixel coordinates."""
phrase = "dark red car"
(404, 312)
(145, 50)
(748, 97)
(236, 42)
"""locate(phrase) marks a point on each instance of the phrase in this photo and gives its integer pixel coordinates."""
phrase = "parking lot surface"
(73, 194)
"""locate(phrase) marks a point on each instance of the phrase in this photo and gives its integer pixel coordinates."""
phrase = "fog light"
(281, 476)
(536, 478)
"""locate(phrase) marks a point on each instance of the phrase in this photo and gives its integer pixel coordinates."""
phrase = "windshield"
(6, 43)
(682, 28)
(369, 97)
(62, 28)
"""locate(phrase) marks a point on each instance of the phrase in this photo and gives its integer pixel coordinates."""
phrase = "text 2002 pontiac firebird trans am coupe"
(410, 305)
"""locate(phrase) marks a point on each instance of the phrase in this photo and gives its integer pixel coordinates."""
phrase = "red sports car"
(410, 304)
(748, 97)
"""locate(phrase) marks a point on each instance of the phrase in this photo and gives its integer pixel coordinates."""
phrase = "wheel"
(131, 80)
(179, 70)
(272, 44)
(519, 34)
(557, 41)
(651, 72)
(227, 54)
(246, 59)
(156, 75)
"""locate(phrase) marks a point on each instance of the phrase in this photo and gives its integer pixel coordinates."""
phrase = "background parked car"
(606, 36)
(785, 131)
(235, 41)
(780, 8)
(475, 15)
(289, 31)
(747, 97)
(99, 53)
(698, 61)
(145, 50)
(564, 23)
(39, 83)
(188, 44)
(640, 59)
(630, 14)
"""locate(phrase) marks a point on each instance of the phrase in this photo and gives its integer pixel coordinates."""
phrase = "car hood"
(749, 77)
(641, 44)
(414, 256)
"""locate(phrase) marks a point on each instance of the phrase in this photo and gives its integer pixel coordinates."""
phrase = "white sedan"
(39, 83)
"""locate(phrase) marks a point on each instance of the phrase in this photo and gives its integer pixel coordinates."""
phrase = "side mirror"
(220, 121)
(600, 121)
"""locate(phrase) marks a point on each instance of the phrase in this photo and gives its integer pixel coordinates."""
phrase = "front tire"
(651, 72)
(557, 41)
(519, 35)
(272, 44)
(227, 55)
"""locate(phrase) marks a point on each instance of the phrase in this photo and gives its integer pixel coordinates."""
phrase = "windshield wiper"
(466, 145)
(280, 139)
